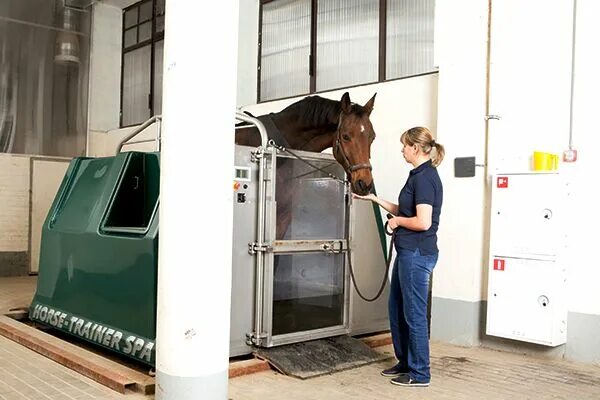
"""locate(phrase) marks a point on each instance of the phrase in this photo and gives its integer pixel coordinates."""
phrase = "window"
(44, 78)
(409, 37)
(347, 43)
(285, 48)
(308, 46)
(141, 77)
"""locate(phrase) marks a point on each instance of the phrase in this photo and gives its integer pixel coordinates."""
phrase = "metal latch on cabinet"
(254, 248)
(330, 248)
(491, 116)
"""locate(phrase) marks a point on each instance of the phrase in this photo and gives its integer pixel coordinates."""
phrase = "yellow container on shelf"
(544, 161)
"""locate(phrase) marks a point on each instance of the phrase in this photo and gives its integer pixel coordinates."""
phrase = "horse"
(315, 124)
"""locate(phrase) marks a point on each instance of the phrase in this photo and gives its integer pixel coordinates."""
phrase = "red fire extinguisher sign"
(502, 182)
(498, 264)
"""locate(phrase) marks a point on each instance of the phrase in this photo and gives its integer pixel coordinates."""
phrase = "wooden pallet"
(382, 339)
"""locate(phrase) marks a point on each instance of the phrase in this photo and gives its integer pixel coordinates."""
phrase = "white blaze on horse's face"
(355, 137)
(353, 144)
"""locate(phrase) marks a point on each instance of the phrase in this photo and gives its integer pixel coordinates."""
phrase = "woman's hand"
(369, 196)
(393, 223)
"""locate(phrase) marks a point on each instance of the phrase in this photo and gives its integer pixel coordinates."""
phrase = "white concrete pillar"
(196, 209)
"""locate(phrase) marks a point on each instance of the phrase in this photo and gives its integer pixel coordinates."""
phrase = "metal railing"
(240, 116)
(140, 129)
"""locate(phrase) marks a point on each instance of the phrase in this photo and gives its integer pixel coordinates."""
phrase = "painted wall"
(46, 176)
(247, 52)
(460, 52)
(105, 76)
(530, 89)
(584, 271)
(27, 188)
(105, 67)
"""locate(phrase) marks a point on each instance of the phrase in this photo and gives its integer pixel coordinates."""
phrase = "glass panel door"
(306, 277)
(308, 292)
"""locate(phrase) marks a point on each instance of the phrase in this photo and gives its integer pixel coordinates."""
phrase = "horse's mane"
(319, 111)
(315, 111)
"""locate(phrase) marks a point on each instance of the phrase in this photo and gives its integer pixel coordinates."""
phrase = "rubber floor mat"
(319, 357)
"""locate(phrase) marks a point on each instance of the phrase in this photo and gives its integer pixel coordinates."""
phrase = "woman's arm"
(420, 222)
(387, 205)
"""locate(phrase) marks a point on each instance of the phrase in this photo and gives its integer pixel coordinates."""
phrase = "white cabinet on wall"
(526, 275)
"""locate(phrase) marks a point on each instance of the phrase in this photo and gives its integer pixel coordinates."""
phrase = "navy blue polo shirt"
(423, 186)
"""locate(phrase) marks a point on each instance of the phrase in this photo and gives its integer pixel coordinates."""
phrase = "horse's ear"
(369, 106)
(346, 105)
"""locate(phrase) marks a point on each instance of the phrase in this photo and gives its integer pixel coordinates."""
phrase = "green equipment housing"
(99, 254)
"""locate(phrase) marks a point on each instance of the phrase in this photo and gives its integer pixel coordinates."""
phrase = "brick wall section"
(14, 215)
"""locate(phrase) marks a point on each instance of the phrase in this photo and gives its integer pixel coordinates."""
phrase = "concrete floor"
(458, 373)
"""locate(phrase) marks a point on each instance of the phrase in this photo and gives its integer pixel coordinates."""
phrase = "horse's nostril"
(361, 185)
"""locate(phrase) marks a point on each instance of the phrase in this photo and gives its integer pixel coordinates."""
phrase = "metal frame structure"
(265, 248)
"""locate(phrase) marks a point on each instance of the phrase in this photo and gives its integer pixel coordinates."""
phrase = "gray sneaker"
(395, 371)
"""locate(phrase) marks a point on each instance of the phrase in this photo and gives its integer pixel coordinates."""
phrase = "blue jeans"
(409, 289)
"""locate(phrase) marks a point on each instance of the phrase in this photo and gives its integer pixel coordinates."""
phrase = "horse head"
(352, 143)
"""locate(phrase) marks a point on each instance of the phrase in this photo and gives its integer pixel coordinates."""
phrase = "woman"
(415, 223)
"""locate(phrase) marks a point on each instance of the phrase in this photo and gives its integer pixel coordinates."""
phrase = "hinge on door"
(256, 340)
(255, 156)
(254, 248)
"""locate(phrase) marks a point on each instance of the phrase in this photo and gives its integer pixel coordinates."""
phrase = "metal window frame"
(382, 57)
(154, 38)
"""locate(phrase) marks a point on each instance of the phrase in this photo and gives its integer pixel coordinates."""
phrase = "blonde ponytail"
(423, 138)
(438, 155)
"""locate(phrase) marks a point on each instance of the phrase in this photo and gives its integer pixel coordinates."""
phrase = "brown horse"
(315, 124)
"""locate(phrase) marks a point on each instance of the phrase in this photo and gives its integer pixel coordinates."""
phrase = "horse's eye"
(346, 137)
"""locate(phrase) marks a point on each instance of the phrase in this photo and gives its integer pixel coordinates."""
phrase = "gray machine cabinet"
(307, 292)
